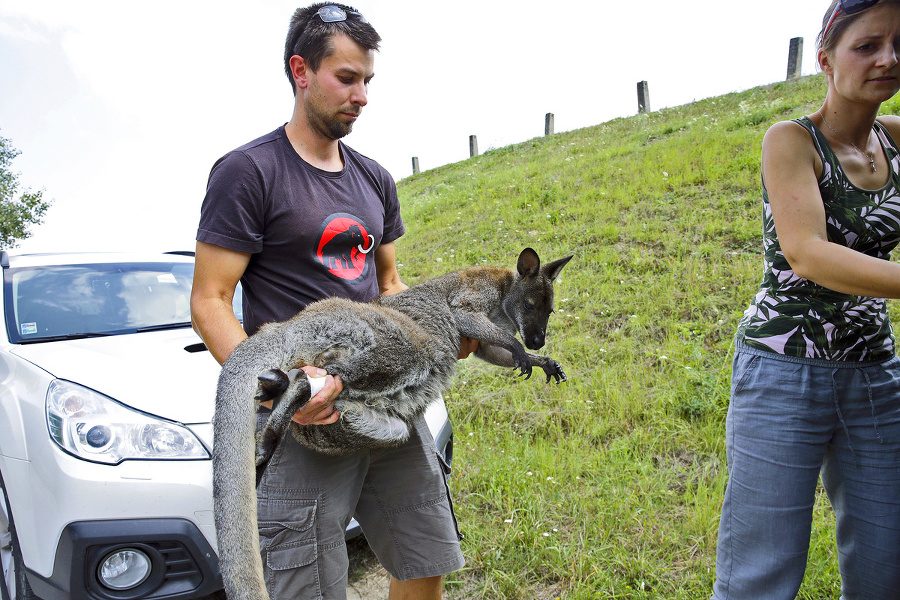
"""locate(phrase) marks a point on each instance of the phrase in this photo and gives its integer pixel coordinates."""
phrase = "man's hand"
(467, 346)
(320, 408)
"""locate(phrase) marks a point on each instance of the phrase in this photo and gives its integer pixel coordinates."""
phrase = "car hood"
(169, 374)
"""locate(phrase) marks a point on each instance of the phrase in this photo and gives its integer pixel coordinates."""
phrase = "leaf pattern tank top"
(794, 316)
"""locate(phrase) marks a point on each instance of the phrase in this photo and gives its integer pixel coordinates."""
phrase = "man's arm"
(389, 281)
(217, 271)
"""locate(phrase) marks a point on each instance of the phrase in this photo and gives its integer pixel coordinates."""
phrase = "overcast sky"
(120, 108)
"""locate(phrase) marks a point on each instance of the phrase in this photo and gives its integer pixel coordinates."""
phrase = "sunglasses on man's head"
(335, 14)
(850, 7)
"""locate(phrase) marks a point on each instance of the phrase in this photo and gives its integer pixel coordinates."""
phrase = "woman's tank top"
(796, 317)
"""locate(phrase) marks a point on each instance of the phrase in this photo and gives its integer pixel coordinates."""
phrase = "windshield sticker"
(29, 328)
(166, 278)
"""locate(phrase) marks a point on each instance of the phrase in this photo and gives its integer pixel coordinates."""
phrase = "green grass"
(609, 485)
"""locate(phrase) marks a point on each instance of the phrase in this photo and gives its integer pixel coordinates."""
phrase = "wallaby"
(395, 355)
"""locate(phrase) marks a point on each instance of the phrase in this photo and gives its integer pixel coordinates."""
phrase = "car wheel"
(15, 586)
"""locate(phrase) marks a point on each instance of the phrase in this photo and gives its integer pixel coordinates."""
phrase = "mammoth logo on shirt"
(344, 242)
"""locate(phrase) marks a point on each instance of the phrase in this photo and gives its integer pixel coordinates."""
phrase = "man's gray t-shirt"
(311, 233)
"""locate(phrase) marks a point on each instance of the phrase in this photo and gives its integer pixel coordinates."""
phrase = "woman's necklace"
(869, 156)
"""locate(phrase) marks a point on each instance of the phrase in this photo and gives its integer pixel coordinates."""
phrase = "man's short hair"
(309, 36)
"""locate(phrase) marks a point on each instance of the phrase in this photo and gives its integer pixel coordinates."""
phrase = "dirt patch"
(366, 578)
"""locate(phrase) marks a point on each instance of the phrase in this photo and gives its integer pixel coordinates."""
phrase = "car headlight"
(97, 428)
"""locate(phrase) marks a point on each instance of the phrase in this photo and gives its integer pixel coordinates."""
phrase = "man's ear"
(299, 71)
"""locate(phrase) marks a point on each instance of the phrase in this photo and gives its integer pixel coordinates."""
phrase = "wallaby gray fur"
(395, 355)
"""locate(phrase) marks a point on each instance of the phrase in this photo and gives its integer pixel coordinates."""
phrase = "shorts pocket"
(287, 535)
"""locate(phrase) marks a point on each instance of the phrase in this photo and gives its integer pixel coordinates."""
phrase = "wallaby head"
(529, 302)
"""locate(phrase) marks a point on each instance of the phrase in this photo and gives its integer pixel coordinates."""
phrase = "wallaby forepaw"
(554, 371)
(524, 367)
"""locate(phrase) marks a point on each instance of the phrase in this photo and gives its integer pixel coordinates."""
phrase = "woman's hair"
(827, 39)
(310, 36)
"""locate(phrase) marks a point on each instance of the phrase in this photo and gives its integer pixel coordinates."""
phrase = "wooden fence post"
(795, 57)
(643, 91)
(473, 145)
(548, 124)
(415, 164)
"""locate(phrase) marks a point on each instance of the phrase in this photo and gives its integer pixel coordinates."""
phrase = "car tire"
(15, 584)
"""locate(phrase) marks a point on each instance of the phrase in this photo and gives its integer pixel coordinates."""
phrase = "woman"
(816, 383)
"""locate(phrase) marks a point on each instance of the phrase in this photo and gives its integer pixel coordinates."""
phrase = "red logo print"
(343, 245)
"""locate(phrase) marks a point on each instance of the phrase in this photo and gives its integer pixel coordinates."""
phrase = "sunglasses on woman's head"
(850, 7)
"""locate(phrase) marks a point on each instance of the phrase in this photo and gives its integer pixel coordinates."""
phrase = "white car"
(106, 400)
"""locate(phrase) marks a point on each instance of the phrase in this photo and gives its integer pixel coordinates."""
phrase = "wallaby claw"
(555, 371)
(559, 377)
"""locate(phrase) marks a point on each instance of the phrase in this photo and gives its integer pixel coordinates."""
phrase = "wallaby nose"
(535, 341)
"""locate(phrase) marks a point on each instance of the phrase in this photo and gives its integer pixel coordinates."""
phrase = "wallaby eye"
(528, 306)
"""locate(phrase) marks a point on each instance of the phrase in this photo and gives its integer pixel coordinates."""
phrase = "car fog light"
(124, 569)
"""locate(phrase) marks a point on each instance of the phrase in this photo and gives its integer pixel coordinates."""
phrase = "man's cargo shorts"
(399, 496)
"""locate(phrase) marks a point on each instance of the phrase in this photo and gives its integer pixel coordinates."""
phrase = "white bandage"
(315, 385)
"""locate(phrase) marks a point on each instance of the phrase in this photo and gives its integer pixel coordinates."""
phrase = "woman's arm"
(789, 167)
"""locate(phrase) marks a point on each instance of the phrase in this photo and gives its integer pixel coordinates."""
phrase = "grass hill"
(609, 485)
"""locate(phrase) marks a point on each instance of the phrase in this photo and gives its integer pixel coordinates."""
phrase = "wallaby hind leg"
(288, 392)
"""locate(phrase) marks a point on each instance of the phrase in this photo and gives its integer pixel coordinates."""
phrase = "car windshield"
(85, 300)
(74, 300)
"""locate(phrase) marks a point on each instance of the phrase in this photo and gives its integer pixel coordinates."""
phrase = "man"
(297, 216)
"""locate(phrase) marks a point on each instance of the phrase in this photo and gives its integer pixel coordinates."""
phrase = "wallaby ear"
(528, 264)
(272, 384)
(552, 269)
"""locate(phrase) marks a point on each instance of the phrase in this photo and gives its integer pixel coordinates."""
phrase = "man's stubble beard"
(326, 125)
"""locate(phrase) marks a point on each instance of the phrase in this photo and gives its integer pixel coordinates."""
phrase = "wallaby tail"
(234, 492)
